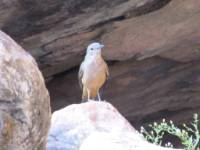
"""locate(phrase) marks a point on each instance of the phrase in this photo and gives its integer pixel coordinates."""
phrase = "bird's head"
(94, 49)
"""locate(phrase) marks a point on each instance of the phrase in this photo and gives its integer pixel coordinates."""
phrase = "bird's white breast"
(94, 70)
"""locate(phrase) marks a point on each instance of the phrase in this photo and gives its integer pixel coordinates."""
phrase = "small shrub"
(188, 135)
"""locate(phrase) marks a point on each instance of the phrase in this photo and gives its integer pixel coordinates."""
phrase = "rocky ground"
(152, 47)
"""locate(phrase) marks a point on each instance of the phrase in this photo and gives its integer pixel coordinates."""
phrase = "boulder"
(94, 126)
(24, 100)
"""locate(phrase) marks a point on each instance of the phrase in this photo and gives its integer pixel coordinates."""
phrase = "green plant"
(188, 135)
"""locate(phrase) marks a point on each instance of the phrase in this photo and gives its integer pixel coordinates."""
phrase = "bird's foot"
(89, 100)
(84, 101)
(101, 100)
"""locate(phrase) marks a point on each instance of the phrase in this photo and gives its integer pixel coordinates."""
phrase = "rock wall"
(153, 48)
(143, 91)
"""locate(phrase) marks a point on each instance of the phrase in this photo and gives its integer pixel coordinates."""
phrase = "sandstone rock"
(24, 99)
(58, 34)
(94, 126)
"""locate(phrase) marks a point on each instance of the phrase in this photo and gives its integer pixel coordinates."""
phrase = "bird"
(93, 72)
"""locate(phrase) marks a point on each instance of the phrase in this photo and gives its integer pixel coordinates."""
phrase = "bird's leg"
(84, 95)
(88, 91)
(99, 96)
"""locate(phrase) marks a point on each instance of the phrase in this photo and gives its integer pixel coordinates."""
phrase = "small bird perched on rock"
(93, 72)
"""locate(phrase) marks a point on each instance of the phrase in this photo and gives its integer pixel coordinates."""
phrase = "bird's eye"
(92, 49)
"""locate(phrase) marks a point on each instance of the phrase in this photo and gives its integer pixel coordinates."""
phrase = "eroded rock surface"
(24, 100)
(56, 33)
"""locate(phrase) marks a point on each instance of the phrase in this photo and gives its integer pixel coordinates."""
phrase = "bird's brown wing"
(80, 76)
(107, 74)
(107, 70)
